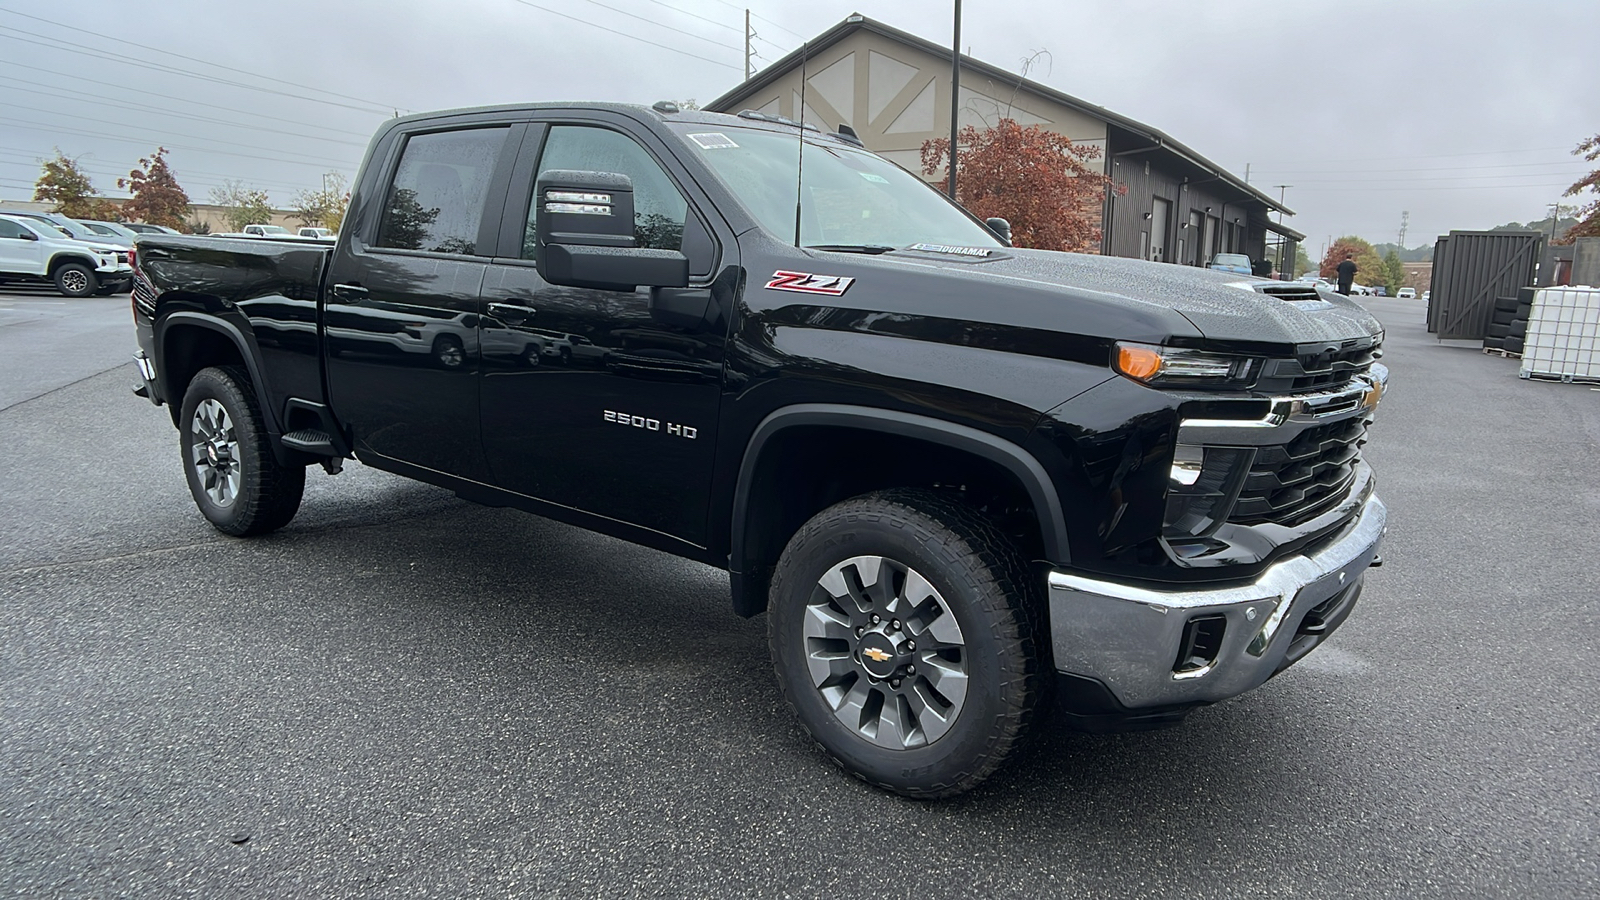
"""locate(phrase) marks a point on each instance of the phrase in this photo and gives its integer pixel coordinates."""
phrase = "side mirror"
(1000, 227)
(28, 235)
(585, 224)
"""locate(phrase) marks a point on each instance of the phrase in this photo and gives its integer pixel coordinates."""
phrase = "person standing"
(1347, 273)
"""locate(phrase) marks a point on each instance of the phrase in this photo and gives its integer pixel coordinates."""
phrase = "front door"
(401, 318)
(1160, 214)
(21, 251)
(606, 401)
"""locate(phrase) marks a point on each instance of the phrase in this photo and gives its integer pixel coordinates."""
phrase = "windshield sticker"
(875, 179)
(807, 283)
(957, 251)
(714, 140)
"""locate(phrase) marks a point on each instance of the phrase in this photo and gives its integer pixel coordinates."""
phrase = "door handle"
(349, 291)
(511, 310)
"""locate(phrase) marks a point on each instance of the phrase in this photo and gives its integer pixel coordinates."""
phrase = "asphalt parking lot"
(402, 694)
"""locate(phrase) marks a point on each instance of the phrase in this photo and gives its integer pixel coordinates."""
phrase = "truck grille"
(1328, 366)
(1291, 483)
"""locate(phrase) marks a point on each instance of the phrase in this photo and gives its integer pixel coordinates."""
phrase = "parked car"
(74, 229)
(109, 229)
(268, 231)
(146, 228)
(320, 234)
(1406, 294)
(1426, 296)
(1231, 262)
(1125, 483)
(32, 250)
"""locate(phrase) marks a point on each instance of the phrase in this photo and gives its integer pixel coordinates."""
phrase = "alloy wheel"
(215, 452)
(885, 652)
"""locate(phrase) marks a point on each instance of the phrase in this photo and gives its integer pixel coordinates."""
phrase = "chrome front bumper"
(1128, 638)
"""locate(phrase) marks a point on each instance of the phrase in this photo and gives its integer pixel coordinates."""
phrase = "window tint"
(658, 208)
(10, 229)
(436, 200)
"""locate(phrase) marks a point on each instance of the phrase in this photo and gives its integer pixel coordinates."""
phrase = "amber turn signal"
(1138, 362)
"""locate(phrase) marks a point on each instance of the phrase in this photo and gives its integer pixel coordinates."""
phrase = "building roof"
(730, 101)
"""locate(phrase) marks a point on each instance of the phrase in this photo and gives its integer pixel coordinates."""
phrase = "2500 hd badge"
(683, 431)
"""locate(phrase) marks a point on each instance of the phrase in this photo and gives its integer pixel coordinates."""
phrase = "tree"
(157, 198)
(325, 207)
(1038, 180)
(1588, 214)
(66, 186)
(241, 205)
(1369, 267)
(1302, 260)
(1394, 271)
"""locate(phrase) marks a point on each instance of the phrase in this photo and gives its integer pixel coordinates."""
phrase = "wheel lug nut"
(876, 620)
(911, 670)
(894, 625)
(895, 683)
(911, 645)
(860, 632)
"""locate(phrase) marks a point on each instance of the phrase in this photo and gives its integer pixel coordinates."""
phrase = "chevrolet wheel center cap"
(878, 656)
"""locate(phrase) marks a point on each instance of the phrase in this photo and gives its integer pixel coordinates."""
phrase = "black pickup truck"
(961, 479)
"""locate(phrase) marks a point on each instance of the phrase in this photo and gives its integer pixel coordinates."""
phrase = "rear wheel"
(448, 350)
(235, 479)
(903, 628)
(75, 280)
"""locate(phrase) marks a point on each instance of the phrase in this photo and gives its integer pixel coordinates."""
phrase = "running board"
(311, 441)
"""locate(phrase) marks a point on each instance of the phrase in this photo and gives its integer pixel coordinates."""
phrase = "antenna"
(800, 136)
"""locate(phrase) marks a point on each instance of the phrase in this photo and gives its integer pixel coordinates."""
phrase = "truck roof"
(634, 110)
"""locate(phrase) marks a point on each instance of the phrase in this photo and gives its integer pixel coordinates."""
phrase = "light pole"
(1282, 244)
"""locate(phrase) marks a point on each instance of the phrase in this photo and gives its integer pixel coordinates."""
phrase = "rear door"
(401, 315)
(606, 401)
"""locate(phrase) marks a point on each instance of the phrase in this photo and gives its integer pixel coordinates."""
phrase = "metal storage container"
(1563, 339)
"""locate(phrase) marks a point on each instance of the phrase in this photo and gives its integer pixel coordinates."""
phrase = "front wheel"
(902, 627)
(76, 280)
(235, 479)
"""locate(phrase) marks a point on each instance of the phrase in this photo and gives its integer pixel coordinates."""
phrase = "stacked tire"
(1509, 324)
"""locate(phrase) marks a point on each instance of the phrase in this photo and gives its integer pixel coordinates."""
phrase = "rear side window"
(436, 200)
(9, 229)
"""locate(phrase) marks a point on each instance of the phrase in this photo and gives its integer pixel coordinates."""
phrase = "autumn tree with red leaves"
(1588, 215)
(1369, 265)
(157, 198)
(1038, 180)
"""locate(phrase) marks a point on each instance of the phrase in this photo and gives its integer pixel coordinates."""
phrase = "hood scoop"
(1302, 295)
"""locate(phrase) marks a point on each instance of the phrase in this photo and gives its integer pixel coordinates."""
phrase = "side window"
(436, 200)
(10, 229)
(658, 208)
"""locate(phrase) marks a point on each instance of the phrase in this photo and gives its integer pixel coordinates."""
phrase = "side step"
(311, 441)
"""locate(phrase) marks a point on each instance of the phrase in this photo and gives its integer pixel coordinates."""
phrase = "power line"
(625, 34)
(102, 121)
(169, 70)
(128, 104)
(1431, 156)
(119, 41)
(146, 142)
(1423, 169)
(697, 16)
(148, 93)
(107, 170)
(657, 24)
(1465, 187)
(755, 15)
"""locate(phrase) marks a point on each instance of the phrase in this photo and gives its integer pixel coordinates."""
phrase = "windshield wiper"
(853, 248)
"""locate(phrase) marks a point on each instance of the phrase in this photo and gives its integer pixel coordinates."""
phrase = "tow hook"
(333, 465)
(1377, 562)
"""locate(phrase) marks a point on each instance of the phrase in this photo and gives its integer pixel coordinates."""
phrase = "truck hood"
(1068, 291)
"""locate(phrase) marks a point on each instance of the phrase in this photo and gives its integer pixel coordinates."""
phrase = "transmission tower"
(1405, 219)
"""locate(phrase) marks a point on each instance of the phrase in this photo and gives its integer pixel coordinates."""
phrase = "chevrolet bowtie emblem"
(876, 655)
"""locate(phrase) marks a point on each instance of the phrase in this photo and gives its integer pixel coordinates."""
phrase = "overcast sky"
(1462, 112)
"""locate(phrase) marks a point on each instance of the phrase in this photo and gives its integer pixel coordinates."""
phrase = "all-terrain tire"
(981, 597)
(1512, 345)
(1518, 328)
(75, 280)
(236, 481)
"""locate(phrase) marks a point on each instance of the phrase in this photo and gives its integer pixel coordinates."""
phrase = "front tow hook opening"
(1199, 646)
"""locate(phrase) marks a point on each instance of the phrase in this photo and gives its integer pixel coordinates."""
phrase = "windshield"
(1231, 259)
(850, 196)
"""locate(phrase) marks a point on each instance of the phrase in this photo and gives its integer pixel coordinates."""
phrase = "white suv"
(31, 249)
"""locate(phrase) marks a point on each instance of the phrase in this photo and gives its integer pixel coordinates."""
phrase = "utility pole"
(1246, 173)
(1405, 219)
(747, 72)
(1282, 188)
(955, 95)
(1283, 245)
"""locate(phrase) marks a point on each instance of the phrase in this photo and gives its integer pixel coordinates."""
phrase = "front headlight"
(1160, 366)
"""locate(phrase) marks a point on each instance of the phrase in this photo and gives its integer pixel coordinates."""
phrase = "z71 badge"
(807, 283)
